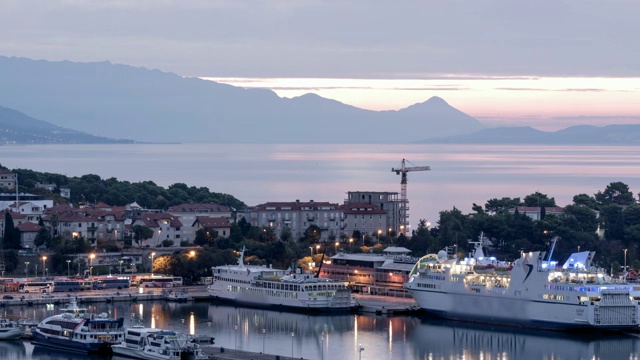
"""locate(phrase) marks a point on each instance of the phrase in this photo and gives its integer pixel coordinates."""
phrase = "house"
(534, 212)
(28, 233)
(8, 179)
(165, 227)
(221, 226)
(188, 213)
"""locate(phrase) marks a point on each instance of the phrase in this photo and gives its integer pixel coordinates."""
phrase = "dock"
(385, 305)
(219, 353)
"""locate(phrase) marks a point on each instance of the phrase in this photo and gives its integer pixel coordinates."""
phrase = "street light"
(91, 257)
(337, 244)
(625, 259)
(26, 269)
(44, 258)
(152, 255)
(311, 250)
(292, 334)
(68, 268)
(120, 267)
(192, 253)
(360, 350)
(235, 337)
(264, 331)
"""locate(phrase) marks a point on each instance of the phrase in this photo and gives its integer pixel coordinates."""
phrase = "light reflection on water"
(338, 336)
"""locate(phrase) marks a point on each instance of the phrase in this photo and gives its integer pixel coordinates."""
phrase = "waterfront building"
(366, 218)
(297, 217)
(189, 213)
(535, 212)
(389, 202)
(374, 274)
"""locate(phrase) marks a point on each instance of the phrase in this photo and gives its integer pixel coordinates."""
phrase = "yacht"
(10, 329)
(147, 343)
(531, 292)
(267, 287)
(77, 329)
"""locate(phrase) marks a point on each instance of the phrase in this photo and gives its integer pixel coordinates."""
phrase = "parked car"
(7, 297)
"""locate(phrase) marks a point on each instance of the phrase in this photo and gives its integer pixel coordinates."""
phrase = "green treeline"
(91, 188)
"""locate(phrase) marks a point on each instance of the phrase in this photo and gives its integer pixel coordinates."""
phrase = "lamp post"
(264, 331)
(337, 244)
(36, 272)
(311, 250)
(152, 255)
(26, 269)
(68, 268)
(360, 350)
(91, 257)
(292, 334)
(44, 259)
(235, 337)
(625, 259)
(317, 249)
(120, 267)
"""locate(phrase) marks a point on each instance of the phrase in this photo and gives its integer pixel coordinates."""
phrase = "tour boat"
(176, 296)
(533, 293)
(147, 343)
(77, 329)
(267, 287)
(10, 329)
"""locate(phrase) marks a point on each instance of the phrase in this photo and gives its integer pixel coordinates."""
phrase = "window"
(79, 225)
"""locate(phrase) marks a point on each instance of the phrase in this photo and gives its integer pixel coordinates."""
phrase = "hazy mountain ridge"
(574, 135)
(18, 128)
(155, 106)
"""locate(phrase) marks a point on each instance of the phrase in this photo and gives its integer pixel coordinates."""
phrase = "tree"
(538, 199)
(11, 238)
(585, 200)
(495, 206)
(141, 233)
(616, 193)
(42, 237)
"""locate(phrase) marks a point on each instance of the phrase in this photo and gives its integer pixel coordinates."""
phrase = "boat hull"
(69, 345)
(11, 333)
(282, 306)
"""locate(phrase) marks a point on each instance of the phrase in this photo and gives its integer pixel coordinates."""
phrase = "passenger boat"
(267, 287)
(147, 343)
(176, 296)
(533, 293)
(77, 329)
(10, 329)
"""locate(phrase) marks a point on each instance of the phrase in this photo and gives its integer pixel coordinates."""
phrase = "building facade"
(389, 202)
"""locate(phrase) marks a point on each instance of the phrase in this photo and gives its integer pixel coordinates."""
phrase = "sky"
(547, 64)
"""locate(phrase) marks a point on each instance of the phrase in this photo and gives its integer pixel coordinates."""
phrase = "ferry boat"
(147, 343)
(531, 293)
(267, 287)
(77, 329)
(10, 329)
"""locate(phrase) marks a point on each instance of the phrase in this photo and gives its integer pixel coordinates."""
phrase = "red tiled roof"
(29, 227)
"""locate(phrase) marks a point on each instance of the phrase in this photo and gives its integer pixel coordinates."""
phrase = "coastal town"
(313, 256)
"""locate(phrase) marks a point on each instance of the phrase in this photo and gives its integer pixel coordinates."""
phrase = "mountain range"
(66, 102)
(120, 101)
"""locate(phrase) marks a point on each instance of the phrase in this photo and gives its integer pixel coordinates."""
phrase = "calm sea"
(339, 336)
(255, 173)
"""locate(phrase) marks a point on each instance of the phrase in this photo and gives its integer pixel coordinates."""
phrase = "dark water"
(338, 336)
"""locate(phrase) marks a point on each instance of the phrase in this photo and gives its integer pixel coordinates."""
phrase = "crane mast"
(404, 202)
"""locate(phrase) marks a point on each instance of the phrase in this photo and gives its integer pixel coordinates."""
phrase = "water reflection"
(439, 339)
(338, 336)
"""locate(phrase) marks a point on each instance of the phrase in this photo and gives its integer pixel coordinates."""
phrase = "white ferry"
(533, 293)
(148, 343)
(267, 287)
(76, 329)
